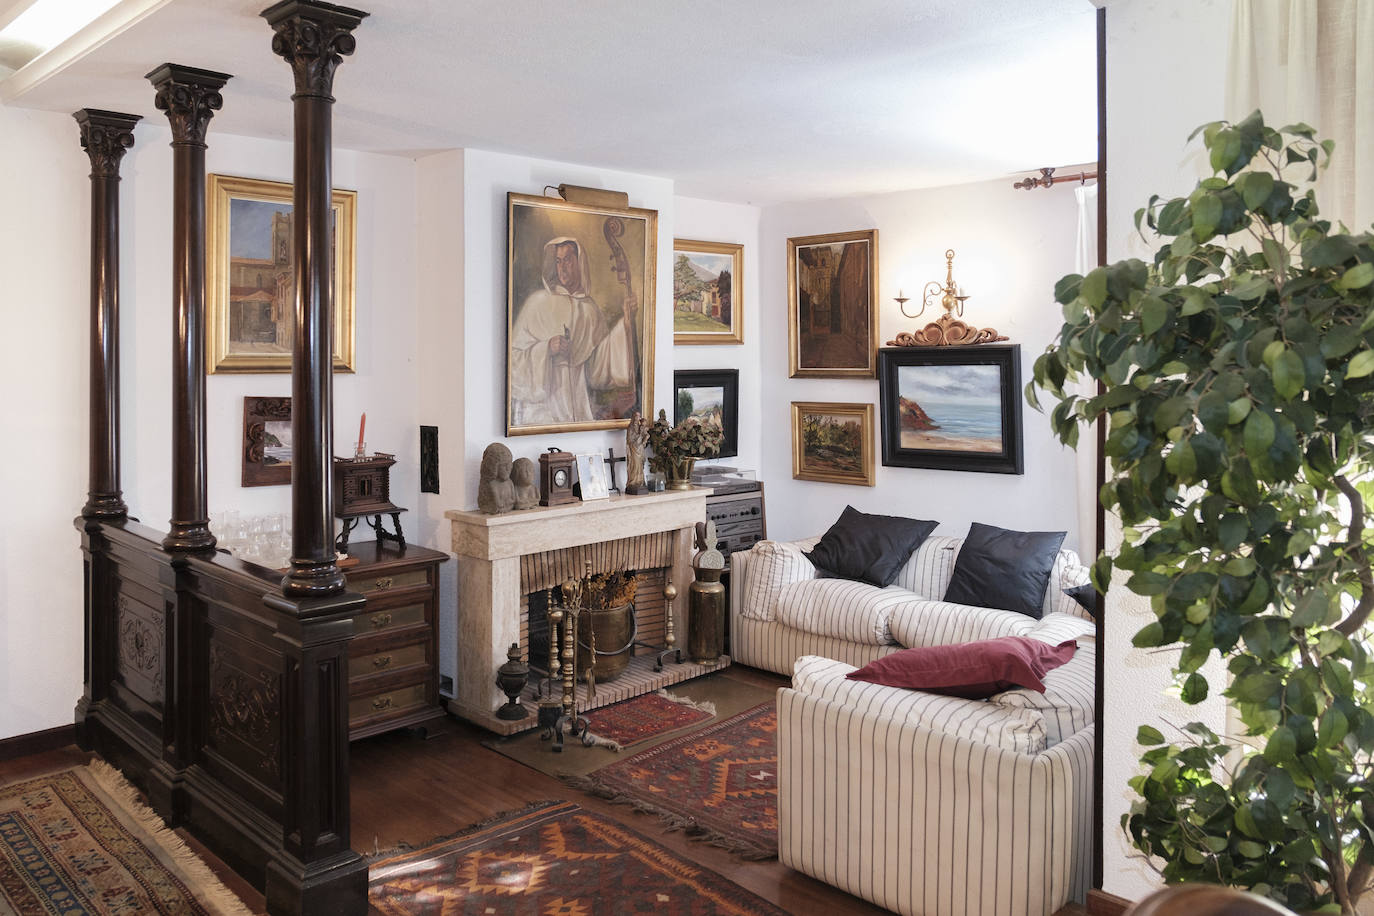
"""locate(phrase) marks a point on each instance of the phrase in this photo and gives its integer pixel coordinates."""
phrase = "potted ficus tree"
(1236, 383)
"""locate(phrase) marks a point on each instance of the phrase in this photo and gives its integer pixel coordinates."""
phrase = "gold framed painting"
(832, 305)
(832, 442)
(708, 307)
(250, 315)
(579, 314)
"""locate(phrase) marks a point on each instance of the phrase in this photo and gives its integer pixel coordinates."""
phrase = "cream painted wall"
(1153, 103)
(1011, 246)
(44, 254)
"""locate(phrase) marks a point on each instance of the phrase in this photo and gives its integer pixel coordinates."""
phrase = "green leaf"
(1153, 313)
(1149, 636)
(1237, 410)
(1213, 412)
(1259, 433)
(1289, 377)
(1311, 609)
(1255, 188)
(1251, 850)
(1301, 542)
(1252, 287)
(1357, 277)
(1102, 573)
(1333, 728)
(1339, 340)
(1206, 214)
(1240, 567)
(1282, 746)
(1148, 736)
(1182, 462)
(1232, 530)
(1361, 364)
(1094, 288)
(1194, 688)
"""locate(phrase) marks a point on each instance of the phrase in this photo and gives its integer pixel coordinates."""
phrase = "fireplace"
(504, 559)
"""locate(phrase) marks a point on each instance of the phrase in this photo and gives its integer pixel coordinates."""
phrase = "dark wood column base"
(184, 536)
(312, 579)
(336, 886)
(105, 505)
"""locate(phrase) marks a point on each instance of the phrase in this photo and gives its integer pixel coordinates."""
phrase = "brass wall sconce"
(947, 330)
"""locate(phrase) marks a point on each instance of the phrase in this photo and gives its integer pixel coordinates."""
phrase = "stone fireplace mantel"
(489, 548)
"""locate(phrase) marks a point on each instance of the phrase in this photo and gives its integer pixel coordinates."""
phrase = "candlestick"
(362, 428)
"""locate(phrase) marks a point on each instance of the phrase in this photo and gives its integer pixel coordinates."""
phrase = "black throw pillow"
(1009, 570)
(1085, 595)
(870, 548)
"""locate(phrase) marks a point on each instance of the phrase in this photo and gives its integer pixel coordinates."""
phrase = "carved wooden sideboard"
(393, 678)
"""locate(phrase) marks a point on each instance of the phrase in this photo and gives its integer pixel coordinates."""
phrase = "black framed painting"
(712, 396)
(952, 408)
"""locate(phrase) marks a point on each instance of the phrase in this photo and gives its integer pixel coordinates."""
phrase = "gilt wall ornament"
(947, 330)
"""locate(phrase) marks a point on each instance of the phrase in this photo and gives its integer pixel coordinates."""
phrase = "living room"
(431, 288)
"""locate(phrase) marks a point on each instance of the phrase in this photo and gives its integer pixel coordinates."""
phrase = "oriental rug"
(79, 842)
(647, 716)
(553, 859)
(719, 784)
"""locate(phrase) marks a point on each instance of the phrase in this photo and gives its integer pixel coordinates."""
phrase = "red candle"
(362, 428)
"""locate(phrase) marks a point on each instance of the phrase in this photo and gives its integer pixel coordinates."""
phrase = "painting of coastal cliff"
(952, 409)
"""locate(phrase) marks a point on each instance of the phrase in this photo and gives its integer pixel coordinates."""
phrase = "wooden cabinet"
(393, 678)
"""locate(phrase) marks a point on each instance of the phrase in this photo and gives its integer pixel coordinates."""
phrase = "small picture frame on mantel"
(591, 477)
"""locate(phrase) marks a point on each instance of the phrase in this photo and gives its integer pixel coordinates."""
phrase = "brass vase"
(612, 633)
(679, 473)
(706, 617)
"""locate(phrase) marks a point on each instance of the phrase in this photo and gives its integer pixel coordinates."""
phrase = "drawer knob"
(381, 703)
(384, 583)
(380, 620)
(381, 661)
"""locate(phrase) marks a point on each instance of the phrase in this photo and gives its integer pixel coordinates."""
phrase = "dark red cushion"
(970, 669)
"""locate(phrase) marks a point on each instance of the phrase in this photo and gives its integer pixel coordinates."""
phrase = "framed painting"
(266, 442)
(591, 477)
(832, 442)
(707, 306)
(579, 315)
(952, 408)
(712, 396)
(832, 305)
(250, 296)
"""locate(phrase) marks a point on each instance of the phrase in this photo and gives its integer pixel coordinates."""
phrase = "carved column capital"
(190, 96)
(313, 38)
(105, 135)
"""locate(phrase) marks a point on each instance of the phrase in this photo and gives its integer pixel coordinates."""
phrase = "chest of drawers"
(393, 679)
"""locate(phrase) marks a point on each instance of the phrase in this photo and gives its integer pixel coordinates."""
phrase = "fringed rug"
(719, 784)
(80, 842)
(555, 859)
(648, 716)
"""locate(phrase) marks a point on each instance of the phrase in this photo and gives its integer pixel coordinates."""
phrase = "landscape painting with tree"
(712, 397)
(706, 292)
(580, 315)
(832, 319)
(832, 442)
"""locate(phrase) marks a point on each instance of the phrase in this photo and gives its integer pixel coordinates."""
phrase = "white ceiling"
(756, 101)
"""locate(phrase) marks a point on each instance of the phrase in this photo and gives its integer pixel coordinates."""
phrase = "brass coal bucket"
(614, 630)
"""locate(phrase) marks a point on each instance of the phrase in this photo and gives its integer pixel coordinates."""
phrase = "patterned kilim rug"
(555, 859)
(719, 784)
(80, 842)
(647, 716)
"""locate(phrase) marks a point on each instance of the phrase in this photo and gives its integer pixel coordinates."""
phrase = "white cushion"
(1015, 728)
(1055, 628)
(772, 565)
(842, 608)
(1067, 704)
(941, 623)
(928, 570)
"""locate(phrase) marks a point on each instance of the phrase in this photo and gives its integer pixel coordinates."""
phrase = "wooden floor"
(409, 789)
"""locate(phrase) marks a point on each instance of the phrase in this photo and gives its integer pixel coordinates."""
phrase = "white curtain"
(1085, 259)
(1312, 61)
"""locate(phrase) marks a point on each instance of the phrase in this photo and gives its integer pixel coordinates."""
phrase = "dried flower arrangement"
(600, 591)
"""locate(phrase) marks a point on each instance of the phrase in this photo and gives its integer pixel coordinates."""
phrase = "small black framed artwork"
(712, 396)
(266, 448)
(952, 408)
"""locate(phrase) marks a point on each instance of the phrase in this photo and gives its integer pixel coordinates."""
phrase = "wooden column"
(190, 97)
(313, 38)
(105, 135)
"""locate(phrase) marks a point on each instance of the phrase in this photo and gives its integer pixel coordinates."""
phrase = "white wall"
(1011, 246)
(44, 255)
(712, 221)
(1152, 107)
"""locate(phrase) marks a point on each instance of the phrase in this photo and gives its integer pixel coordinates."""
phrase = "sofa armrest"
(764, 570)
(920, 822)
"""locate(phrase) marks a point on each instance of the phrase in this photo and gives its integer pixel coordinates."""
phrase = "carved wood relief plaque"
(141, 632)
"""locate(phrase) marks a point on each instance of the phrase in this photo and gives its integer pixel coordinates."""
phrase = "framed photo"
(707, 308)
(591, 477)
(250, 301)
(712, 396)
(579, 315)
(832, 442)
(832, 305)
(952, 408)
(266, 442)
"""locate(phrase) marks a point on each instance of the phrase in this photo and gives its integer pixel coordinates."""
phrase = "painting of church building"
(260, 277)
(833, 305)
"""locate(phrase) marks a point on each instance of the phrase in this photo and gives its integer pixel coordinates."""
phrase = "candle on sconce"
(360, 452)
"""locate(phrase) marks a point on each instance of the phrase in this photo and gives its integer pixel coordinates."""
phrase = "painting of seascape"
(956, 408)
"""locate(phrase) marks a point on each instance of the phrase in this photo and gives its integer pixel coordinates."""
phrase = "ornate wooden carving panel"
(245, 710)
(141, 633)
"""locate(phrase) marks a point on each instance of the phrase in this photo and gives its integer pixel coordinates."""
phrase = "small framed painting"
(591, 477)
(832, 305)
(266, 442)
(707, 306)
(712, 396)
(832, 442)
(952, 408)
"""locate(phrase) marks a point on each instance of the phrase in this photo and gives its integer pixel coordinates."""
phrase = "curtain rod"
(1049, 179)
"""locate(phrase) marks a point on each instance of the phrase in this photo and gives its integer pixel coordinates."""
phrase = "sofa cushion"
(1067, 702)
(844, 609)
(772, 565)
(1020, 729)
(973, 669)
(1067, 575)
(1004, 569)
(869, 548)
(939, 623)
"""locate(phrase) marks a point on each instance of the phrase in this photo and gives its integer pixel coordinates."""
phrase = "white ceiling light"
(44, 25)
